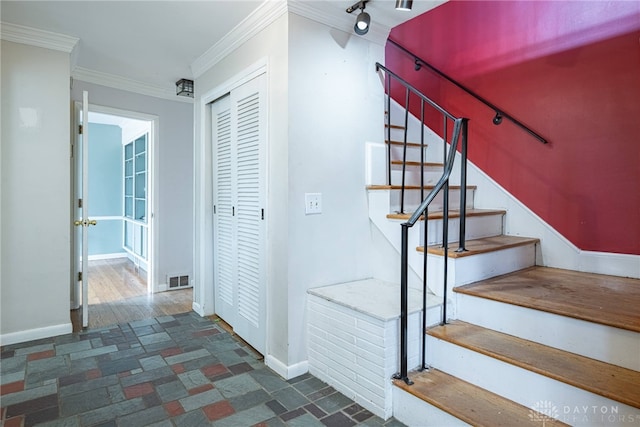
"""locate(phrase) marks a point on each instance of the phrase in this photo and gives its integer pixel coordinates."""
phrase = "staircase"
(523, 344)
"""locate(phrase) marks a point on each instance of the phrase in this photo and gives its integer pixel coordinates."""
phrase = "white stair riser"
(412, 176)
(464, 270)
(412, 411)
(412, 200)
(523, 386)
(608, 344)
(477, 227)
(413, 153)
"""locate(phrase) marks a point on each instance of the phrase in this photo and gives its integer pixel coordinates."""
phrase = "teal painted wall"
(105, 188)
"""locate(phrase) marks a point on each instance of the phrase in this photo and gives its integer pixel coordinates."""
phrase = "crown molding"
(35, 37)
(261, 18)
(378, 33)
(265, 15)
(129, 85)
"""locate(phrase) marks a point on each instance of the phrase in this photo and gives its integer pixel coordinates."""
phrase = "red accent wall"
(570, 70)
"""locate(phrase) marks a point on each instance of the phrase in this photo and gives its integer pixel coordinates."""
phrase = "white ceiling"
(156, 42)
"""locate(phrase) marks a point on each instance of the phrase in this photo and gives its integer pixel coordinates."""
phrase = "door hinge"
(214, 209)
(80, 129)
(262, 210)
(79, 276)
(79, 203)
(233, 211)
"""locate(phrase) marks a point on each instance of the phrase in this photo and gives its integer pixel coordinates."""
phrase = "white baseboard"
(624, 265)
(35, 334)
(107, 256)
(285, 371)
(198, 309)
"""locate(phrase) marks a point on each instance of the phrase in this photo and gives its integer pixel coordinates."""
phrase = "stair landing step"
(483, 245)
(414, 187)
(469, 403)
(452, 214)
(610, 381)
(598, 298)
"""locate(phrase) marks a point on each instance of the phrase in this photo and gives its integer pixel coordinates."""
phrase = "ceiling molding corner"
(36, 37)
(123, 83)
(261, 18)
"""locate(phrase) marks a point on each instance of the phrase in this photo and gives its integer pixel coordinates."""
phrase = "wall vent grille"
(176, 282)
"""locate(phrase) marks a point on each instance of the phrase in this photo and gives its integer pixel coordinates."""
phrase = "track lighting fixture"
(362, 23)
(497, 119)
(418, 65)
(363, 20)
(404, 4)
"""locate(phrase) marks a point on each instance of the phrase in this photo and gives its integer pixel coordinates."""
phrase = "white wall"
(174, 173)
(36, 218)
(336, 105)
(325, 101)
(270, 46)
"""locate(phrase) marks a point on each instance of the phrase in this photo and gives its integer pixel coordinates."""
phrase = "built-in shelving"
(135, 196)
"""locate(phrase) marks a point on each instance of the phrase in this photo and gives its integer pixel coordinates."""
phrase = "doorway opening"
(120, 267)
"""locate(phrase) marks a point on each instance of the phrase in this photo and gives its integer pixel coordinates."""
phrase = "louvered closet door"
(224, 235)
(246, 160)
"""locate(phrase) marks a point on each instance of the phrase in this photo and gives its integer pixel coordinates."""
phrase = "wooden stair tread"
(598, 298)
(412, 163)
(483, 245)
(470, 403)
(394, 126)
(409, 144)
(613, 382)
(413, 187)
(452, 214)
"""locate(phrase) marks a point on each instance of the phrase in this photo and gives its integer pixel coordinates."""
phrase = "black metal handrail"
(459, 133)
(500, 114)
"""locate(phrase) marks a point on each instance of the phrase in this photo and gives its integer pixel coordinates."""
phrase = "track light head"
(418, 65)
(362, 23)
(497, 119)
(404, 4)
(363, 20)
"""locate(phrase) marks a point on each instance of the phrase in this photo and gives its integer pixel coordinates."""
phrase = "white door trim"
(153, 162)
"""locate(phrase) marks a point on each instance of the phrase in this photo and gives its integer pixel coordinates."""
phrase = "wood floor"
(118, 295)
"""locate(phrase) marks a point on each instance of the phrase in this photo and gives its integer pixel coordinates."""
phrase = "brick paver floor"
(181, 370)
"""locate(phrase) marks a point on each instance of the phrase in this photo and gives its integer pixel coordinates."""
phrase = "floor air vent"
(178, 282)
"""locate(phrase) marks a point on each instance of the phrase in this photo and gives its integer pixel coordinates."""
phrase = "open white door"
(81, 203)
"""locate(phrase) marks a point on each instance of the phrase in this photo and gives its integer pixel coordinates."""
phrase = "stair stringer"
(554, 250)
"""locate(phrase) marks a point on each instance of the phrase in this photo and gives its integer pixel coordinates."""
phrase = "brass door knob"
(85, 222)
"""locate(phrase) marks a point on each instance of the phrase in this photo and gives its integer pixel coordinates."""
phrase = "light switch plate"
(312, 203)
